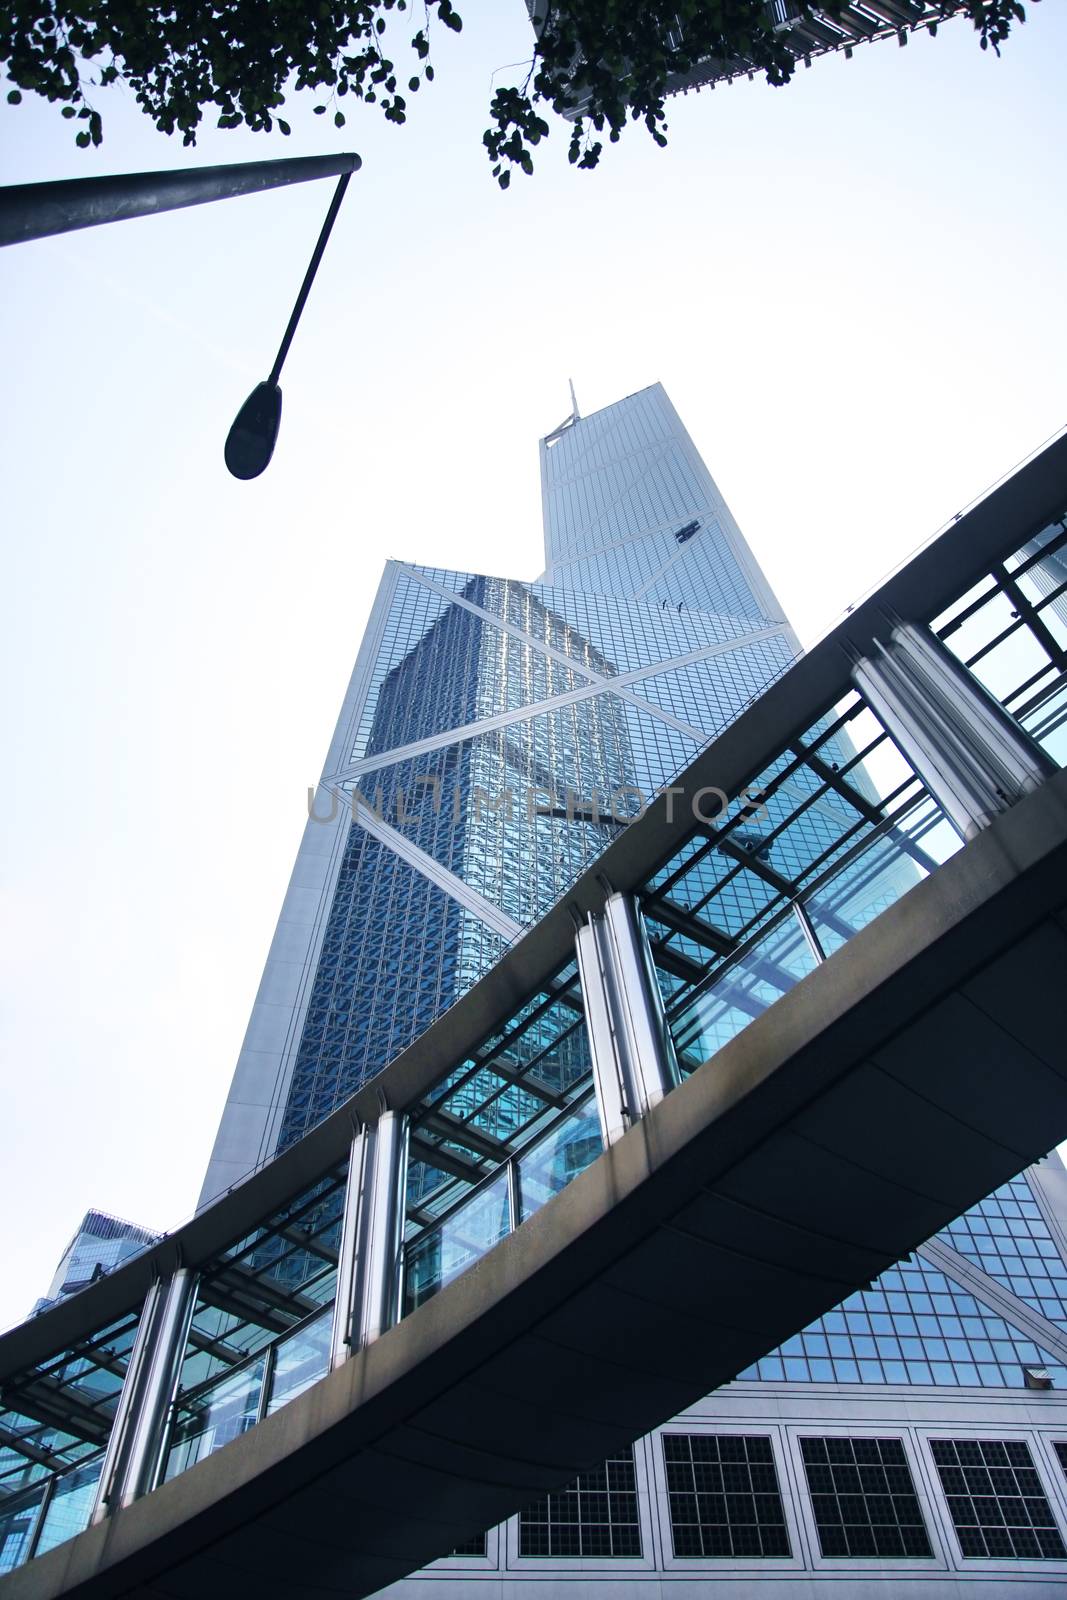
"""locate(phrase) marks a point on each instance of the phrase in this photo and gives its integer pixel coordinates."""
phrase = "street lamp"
(251, 440)
(36, 210)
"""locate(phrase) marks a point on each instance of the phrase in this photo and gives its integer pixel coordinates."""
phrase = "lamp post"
(37, 210)
(254, 433)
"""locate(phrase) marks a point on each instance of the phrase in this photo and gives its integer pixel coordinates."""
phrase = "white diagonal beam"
(1000, 1299)
(686, 728)
(568, 697)
(449, 882)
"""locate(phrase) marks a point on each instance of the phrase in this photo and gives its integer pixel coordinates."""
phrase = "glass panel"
(888, 869)
(266, 1284)
(864, 1499)
(597, 1515)
(300, 1361)
(210, 1420)
(552, 1164)
(723, 1496)
(1053, 613)
(16, 1526)
(1048, 725)
(983, 625)
(883, 771)
(498, 1101)
(467, 1234)
(1013, 661)
(71, 1504)
(984, 586)
(743, 991)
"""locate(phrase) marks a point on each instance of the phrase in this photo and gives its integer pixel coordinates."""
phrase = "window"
(998, 1506)
(596, 1515)
(723, 1494)
(471, 1547)
(863, 1498)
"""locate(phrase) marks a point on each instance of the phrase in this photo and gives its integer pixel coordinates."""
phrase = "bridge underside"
(913, 1072)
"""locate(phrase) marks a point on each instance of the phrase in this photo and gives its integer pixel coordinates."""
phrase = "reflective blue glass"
(18, 1521)
(467, 1233)
(914, 1325)
(71, 1505)
(506, 730)
(300, 1360)
(1007, 1236)
(558, 1158)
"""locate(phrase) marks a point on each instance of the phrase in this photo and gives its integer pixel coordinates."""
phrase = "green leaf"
(338, 119)
(83, 140)
(15, 99)
(285, 128)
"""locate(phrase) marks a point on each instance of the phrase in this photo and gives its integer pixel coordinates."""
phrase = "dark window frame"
(978, 1474)
(863, 1500)
(711, 1480)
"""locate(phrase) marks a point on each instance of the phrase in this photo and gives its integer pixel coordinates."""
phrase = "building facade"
(494, 735)
(101, 1244)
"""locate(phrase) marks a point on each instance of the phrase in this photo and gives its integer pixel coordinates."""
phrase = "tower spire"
(575, 413)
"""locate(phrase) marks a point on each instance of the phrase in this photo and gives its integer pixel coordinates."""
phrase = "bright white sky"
(851, 289)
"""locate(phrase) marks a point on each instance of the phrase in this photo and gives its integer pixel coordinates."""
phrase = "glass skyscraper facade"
(101, 1244)
(494, 736)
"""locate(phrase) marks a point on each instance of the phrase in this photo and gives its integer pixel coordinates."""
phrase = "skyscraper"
(494, 735)
(101, 1244)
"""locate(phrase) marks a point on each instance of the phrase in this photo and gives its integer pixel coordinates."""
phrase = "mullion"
(1045, 550)
(1029, 615)
(976, 605)
(187, 1398)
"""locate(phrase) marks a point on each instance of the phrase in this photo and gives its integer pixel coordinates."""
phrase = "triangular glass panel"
(913, 1325)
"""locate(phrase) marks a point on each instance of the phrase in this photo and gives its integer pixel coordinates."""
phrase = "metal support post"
(129, 1398)
(345, 1334)
(154, 1384)
(514, 1195)
(611, 1100)
(972, 756)
(634, 1063)
(381, 1225)
(653, 1067)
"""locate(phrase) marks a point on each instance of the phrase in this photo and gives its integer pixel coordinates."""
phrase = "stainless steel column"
(973, 757)
(380, 1242)
(633, 1057)
(344, 1337)
(152, 1388)
(130, 1397)
(608, 1080)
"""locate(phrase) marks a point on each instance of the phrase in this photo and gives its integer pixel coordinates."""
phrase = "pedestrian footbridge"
(761, 1052)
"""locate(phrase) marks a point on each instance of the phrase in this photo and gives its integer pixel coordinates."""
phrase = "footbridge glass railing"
(826, 838)
(1010, 631)
(259, 1330)
(942, 721)
(501, 1134)
(55, 1423)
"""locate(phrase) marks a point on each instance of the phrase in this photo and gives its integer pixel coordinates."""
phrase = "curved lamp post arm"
(36, 210)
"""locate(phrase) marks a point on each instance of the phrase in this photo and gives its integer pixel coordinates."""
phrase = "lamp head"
(251, 440)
